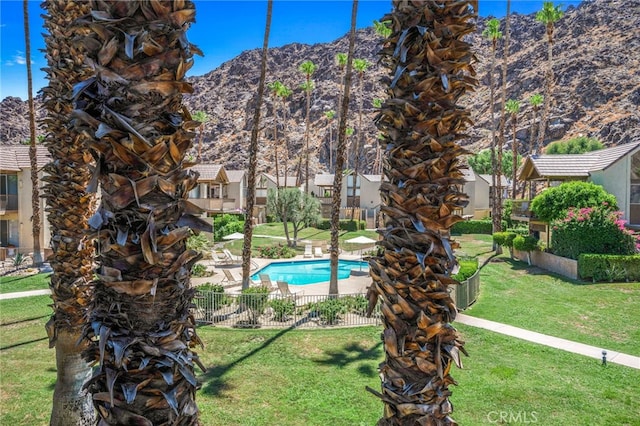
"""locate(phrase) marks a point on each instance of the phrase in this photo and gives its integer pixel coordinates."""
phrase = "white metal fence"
(277, 311)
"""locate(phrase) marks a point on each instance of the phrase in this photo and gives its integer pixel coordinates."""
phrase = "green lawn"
(302, 377)
(9, 284)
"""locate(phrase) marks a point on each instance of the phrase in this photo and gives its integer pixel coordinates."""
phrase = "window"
(9, 192)
(9, 233)
(350, 186)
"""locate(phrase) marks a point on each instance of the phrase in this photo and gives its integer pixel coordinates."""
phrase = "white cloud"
(17, 59)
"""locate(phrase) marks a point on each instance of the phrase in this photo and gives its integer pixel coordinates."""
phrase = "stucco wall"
(615, 180)
(25, 211)
(550, 262)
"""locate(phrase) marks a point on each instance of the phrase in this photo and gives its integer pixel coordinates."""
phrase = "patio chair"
(307, 251)
(228, 276)
(265, 281)
(317, 252)
(217, 260)
(231, 257)
(283, 286)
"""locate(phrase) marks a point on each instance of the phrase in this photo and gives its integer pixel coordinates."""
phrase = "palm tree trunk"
(306, 138)
(33, 156)
(547, 90)
(495, 157)
(419, 195)
(340, 156)
(514, 149)
(253, 157)
(532, 130)
(69, 207)
(141, 329)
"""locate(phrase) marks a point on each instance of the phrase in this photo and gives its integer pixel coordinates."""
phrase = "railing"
(215, 204)
(278, 311)
(8, 202)
(465, 294)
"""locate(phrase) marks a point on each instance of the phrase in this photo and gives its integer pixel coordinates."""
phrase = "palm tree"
(377, 163)
(413, 270)
(501, 131)
(360, 65)
(341, 154)
(330, 115)
(341, 62)
(512, 106)
(283, 93)
(535, 101)
(253, 157)
(382, 28)
(130, 109)
(202, 118)
(549, 15)
(307, 68)
(274, 88)
(33, 156)
(493, 33)
(69, 207)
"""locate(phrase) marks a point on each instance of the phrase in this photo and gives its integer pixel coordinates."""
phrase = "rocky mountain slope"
(597, 89)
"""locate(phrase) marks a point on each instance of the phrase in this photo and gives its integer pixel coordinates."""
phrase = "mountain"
(597, 88)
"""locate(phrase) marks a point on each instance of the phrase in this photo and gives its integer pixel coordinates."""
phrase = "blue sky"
(223, 29)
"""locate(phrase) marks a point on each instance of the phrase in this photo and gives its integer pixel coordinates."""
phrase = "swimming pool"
(308, 271)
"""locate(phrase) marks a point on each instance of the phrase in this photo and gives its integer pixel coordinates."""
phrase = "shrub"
(214, 297)
(591, 230)
(519, 230)
(279, 251)
(329, 310)
(525, 243)
(468, 267)
(198, 242)
(344, 225)
(554, 202)
(472, 227)
(504, 239)
(608, 267)
(357, 304)
(578, 145)
(227, 224)
(199, 270)
(282, 308)
(254, 299)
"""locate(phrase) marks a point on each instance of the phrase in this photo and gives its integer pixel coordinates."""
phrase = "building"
(478, 189)
(15, 201)
(212, 191)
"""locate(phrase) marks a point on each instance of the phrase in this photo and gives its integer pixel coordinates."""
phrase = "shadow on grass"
(214, 382)
(351, 353)
(523, 266)
(15, 345)
(23, 320)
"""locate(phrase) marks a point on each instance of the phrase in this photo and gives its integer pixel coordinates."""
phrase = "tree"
(383, 28)
(512, 106)
(548, 16)
(341, 62)
(553, 203)
(330, 115)
(69, 206)
(33, 156)
(493, 33)
(481, 163)
(419, 193)
(535, 101)
(292, 205)
(341, 154)
(253, 157)
(360, 65)
(501, 130)
(377, 163)
(202, 118)
(307, 68)
(138, 131)
(275, 87)
(578, 145)
(283, 93)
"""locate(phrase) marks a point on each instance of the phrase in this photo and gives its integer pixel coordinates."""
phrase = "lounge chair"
(317, 252)
(283, 286)
(228, 276)
(307, 251)
(265, 281)
(217, 260)
(232, 258)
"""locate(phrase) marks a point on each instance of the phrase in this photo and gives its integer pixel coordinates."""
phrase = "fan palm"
(274, 87)
(330, 115)
(131, 110)
(307, 68)
(548, 16)
(421, 121)
(360, 65)
(341, 151)
(202, 118)
(69, 207)
(493, 33)
(512, 106)
(253, 157)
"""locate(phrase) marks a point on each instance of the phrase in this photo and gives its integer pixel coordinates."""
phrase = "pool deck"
(353, 285)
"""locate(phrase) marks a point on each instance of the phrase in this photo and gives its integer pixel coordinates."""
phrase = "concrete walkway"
(19, 294)
(553, 342)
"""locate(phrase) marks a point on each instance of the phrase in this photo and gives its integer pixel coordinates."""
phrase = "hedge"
(609, 267)
(472, 227)
(345, 225)
(504, 239)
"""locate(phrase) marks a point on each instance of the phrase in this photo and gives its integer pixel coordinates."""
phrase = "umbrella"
(234, 236)
(361, 240)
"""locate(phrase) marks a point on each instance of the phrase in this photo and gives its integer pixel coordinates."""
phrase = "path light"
(604, 357)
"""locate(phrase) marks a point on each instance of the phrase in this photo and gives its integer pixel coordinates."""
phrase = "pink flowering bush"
(595, 230)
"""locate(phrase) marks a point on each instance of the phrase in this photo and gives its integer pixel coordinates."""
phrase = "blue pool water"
(308, 271)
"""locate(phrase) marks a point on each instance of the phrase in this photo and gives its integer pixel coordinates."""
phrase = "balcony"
(8, 203)
(521, 211)
(215, 204)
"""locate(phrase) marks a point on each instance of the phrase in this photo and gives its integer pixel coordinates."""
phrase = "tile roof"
(373, 178)
(210, 172)
(324, 180)
(235, 175)
(574, 165)
(16, 157)
(469, 175)
(289, 182)
(487, 178)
